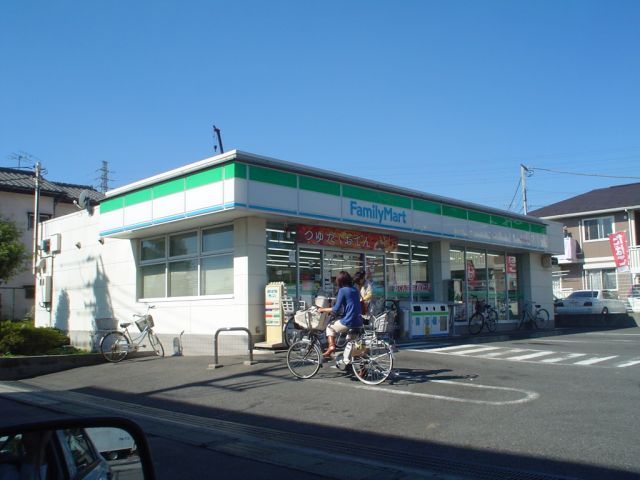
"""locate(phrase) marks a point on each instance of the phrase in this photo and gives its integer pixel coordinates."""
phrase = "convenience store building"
(202, 242)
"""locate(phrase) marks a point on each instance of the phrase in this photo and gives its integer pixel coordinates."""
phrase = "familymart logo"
(376, 213)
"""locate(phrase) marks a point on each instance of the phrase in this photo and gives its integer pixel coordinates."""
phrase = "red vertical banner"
(619, 249)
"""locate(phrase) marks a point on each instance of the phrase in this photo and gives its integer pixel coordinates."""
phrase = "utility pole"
(523, 182)
(36, 214)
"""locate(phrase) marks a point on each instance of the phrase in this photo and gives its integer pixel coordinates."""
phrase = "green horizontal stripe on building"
(111, 204)
(320, 186)
(426, 206)
(375, 196)
(168, 188)
(275, 177)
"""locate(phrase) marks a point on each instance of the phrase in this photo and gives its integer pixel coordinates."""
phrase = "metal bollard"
(215, 363)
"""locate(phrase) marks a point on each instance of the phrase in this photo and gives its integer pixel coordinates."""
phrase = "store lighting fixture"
(274, 230)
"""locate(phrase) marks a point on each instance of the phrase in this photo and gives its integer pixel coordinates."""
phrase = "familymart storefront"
(201, 243)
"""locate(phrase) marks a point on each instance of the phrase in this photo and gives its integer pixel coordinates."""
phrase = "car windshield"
(583, 294)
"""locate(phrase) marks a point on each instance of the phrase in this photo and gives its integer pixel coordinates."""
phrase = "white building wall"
(94, 281)
(16, 207)
(536, 281)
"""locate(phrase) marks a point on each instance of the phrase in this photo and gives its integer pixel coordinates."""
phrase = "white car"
(590, 302)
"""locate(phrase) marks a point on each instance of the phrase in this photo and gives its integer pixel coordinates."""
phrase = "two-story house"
(17, 189)
(589, 220)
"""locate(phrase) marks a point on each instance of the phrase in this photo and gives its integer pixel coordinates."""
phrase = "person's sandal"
(328, 352)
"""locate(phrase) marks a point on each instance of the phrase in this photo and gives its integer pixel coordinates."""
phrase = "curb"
(19, 368)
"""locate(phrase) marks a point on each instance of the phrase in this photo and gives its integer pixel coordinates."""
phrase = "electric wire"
(515, 193)
(584, 174)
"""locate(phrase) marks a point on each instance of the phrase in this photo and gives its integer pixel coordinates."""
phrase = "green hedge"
(22, 338)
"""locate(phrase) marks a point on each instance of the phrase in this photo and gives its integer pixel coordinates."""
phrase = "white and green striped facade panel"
(237, 185)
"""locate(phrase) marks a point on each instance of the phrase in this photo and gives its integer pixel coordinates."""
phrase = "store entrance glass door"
(335, 262)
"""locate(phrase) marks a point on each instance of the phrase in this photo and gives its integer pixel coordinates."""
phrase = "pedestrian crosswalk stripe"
(591, 361)
(443, 349)
(475, 350)
(530, 355)
(564, 358)
(628, 364)
(526, 355)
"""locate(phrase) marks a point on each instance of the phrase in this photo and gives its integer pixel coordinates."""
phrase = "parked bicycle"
(537, 318)
(367, 356)
(484, 315)
(116, 345)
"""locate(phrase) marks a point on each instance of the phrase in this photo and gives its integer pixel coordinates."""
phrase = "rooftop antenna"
(216, 130)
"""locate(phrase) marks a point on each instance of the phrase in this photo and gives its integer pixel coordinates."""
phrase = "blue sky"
(446, 97)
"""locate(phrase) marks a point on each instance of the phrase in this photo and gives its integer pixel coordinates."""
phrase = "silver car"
(590, 302)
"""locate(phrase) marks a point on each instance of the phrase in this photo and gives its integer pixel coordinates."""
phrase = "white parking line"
(531, 355)
(567, 356)
(591, 361)
(528, 395)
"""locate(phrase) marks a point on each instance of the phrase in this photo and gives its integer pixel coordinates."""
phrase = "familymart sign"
(377, 214)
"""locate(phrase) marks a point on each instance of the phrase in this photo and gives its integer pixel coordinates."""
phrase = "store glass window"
(152, 249)
(420, 279)
(597, 228)
(374, 273)
(398, 280)
(183, 244)
(497, 283)
(152, 278)
(457, 273)
(183, 278)
(477, 284)
(187, 264)
(281, 256)
(513, 289)
(310, 260)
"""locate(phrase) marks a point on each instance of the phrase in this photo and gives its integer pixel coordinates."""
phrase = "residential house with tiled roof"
(589, 220)
(17, 188)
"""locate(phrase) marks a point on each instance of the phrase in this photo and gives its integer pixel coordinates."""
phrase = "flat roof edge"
(269, 162)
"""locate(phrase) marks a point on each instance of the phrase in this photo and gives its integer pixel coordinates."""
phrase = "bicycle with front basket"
(534, 316)
(116, 345)
(367, 356)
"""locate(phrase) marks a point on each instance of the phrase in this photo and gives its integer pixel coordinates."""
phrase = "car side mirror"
(105, 448)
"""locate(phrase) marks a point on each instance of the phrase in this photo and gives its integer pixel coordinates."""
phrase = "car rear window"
(583, 294)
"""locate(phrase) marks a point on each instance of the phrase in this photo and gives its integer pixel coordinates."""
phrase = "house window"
(43, 217)
(604, 279)
(597, 228)
(187, 264)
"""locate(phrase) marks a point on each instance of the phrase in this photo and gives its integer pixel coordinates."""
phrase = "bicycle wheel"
(114, 346)
(523, 318)
(375, 366)
(475, 323)
(492, 320)
(156, 345)
(290, 333)
(304, 359)
(541, 319)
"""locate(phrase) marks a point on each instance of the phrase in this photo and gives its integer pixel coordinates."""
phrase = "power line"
(583, 174)
(515, 193)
